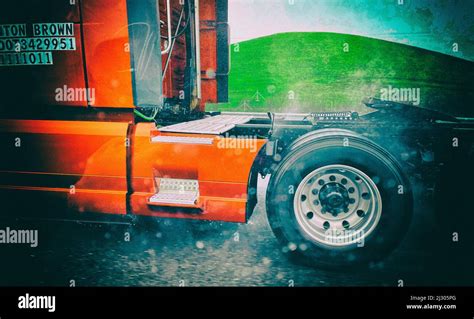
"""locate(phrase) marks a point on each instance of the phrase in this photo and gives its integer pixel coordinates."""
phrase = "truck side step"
(214, 125)
(176, 192)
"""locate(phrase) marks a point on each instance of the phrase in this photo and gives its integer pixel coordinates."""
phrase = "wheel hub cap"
(337, 206)
(334, 198)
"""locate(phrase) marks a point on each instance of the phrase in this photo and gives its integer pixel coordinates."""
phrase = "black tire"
(329, 147)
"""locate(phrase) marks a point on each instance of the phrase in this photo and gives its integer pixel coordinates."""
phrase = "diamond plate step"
(176, 192)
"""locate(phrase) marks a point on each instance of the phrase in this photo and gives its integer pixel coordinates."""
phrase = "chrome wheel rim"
(337, 206)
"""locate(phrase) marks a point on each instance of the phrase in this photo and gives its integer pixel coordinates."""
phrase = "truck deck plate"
(214, 125)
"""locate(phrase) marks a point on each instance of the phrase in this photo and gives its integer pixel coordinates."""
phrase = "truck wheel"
(337, 198)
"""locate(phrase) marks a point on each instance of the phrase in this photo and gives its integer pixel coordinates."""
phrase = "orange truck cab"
(72, 75)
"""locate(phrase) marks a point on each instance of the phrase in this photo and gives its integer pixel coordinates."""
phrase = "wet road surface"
(178, 252)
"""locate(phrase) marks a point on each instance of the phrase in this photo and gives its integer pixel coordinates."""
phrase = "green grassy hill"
(301, 72)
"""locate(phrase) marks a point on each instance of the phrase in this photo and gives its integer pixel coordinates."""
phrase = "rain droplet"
(292, 246)
(199, 244)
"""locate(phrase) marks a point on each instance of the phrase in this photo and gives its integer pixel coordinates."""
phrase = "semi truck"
(103, 112)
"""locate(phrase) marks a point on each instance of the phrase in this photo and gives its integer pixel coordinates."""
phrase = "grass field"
(301, 72)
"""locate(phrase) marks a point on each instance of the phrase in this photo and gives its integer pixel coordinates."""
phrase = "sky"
(438, 25)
